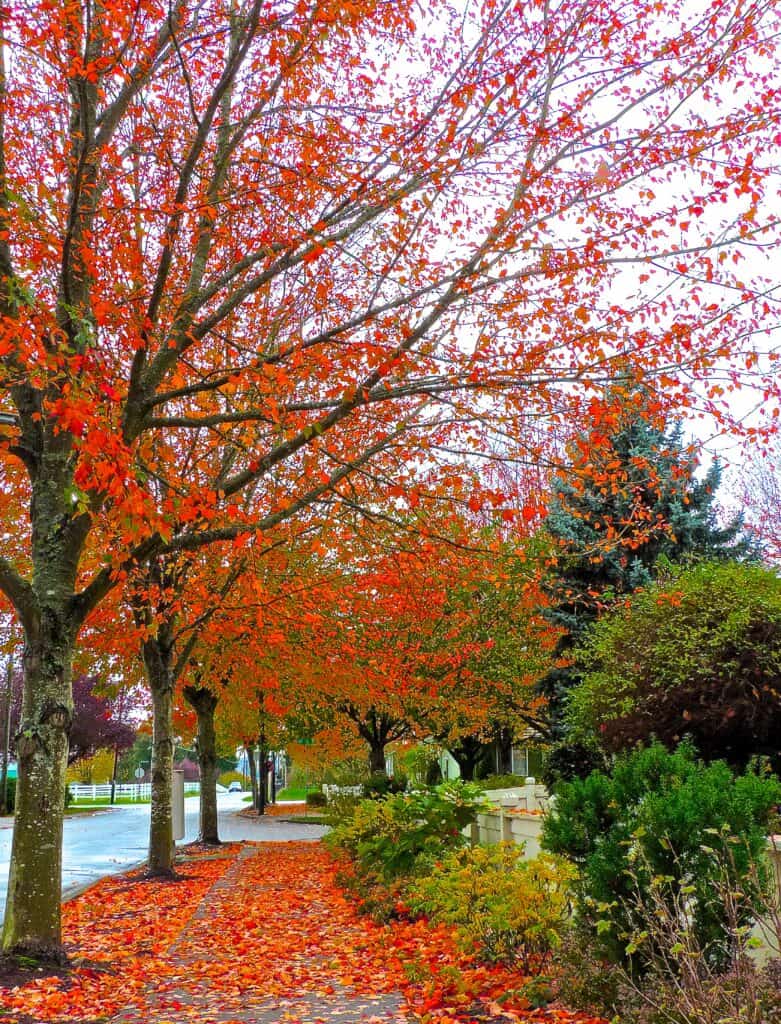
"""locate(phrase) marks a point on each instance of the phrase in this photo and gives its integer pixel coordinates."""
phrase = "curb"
(70, 892)
(87, 812)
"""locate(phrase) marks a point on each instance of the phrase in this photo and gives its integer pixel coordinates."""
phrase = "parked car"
(235, 787)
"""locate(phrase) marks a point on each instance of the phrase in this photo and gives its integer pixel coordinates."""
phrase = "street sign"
(139, 772)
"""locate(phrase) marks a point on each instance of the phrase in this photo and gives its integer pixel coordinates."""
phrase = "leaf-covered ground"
(257, 934)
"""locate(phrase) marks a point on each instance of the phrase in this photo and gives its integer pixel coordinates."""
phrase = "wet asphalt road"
(113, 840)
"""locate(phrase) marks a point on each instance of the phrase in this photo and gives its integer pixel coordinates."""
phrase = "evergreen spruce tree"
(626, 506)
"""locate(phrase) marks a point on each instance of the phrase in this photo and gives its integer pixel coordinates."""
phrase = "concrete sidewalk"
(283, 968)
(260, 933)
(267, 829)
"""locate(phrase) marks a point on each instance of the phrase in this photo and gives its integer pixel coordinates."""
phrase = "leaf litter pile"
(255, 934)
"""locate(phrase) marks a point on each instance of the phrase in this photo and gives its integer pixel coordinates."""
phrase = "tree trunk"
(504, 752)
(468, 753)
(377, 756)
(50, 618)
(114, 776)
(253, 774)
(32, 915)
(262, 779)
(157, 661)
(377, 730)
(204, 701)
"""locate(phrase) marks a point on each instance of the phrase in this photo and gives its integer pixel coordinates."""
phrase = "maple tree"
(362, 638)
(433, 639)
(483, 660)
(240, 223)
(200, 626)
(227, 646)
(97, 721)
(173, 607)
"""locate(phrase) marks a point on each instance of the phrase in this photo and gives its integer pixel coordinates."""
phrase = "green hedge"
(662, 816)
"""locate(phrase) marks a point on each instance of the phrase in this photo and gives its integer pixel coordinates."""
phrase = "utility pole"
(262, 773)
(9, 677)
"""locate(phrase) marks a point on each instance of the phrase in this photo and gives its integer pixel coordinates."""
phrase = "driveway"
(109, 841)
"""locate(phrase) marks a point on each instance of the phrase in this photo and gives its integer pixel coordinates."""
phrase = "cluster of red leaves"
(274, 931)
(283, 810)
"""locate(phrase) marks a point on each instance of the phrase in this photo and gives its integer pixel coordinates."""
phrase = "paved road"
(109, 841)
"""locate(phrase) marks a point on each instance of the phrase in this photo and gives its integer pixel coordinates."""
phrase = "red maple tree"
(244, 252)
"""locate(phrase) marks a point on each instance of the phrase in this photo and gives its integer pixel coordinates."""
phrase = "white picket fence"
(132, 790)
(335, 791)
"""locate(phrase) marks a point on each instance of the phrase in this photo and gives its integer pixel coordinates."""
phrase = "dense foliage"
(698, 655)
(622, 507)
(658, 815)
(304, 267)
(504, 907)
(391, 836)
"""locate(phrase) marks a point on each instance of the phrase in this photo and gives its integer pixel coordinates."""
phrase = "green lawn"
(297, 794)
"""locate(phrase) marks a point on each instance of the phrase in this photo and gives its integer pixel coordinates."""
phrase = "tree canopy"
(697, 655)
(629, 502)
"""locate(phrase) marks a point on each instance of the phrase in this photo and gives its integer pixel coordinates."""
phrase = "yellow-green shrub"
(227, 777)
(503, 907)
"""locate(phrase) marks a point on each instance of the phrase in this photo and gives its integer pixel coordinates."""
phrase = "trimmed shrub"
(661, 815)
(698, 655)
(502, 782)
(316, 799)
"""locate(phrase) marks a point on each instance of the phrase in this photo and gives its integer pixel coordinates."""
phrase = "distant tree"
(629, 502)
(96, 723)
(494, 642)
(139, 755)
(696, 655)
(760, 490)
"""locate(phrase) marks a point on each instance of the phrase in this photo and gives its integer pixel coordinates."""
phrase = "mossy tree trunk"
(7, 706)
(158, 662)
(204, 701)
(50, 620)
(32, 917)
